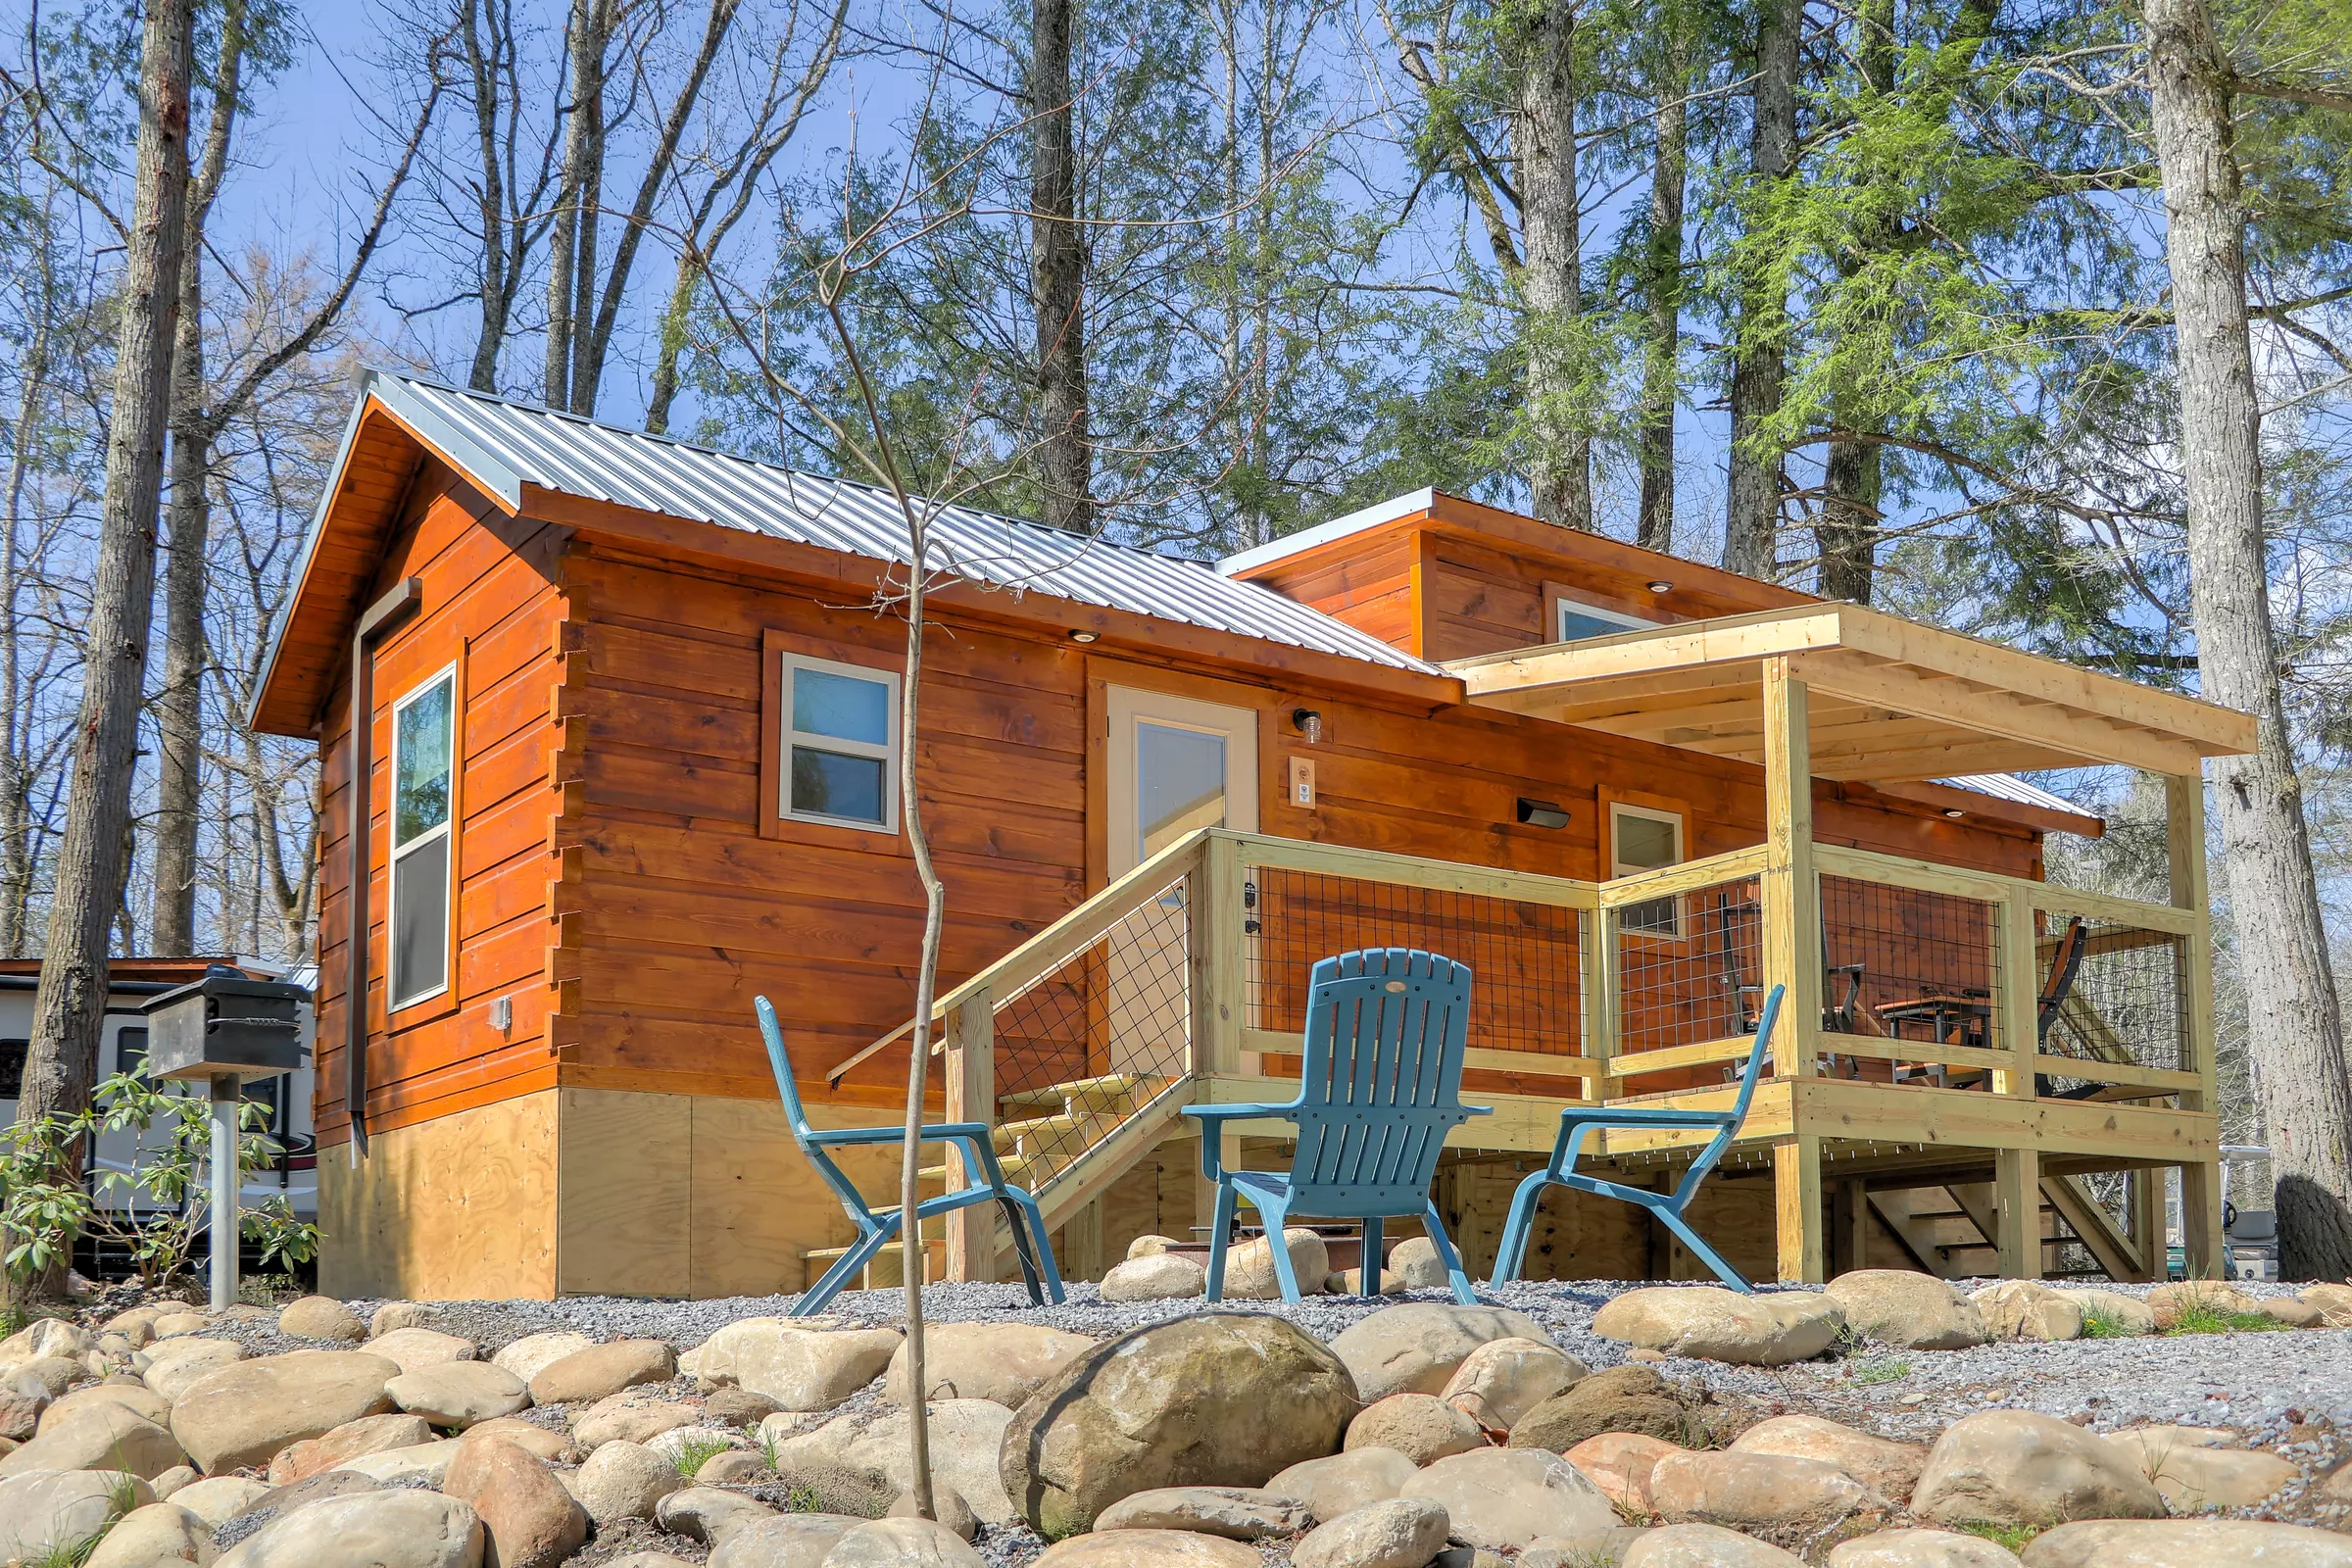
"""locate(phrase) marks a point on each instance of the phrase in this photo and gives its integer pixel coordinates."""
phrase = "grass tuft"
(695, 1452)
(2201, 1318)
(1879, 1372)
(2101, 1324)
(802, 1500)
(2012, 1537)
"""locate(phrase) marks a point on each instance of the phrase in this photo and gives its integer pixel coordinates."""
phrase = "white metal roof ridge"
(1322, 533)
(504, 445)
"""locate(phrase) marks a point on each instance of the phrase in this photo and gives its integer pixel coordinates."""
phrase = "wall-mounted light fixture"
(1661, 586)
(1540, 814)
(1954, 813)
(1309, 723)
(1079, 634)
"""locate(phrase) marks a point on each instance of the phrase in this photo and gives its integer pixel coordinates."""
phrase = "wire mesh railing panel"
(1093, 1041)
(1690, 967)
(1910, 965)
(1525, 960)
(2110, 991)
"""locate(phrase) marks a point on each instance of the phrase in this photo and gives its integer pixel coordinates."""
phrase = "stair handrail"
(1055, 946)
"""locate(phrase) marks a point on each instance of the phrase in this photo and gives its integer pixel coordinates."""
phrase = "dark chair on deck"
(1839, 1008)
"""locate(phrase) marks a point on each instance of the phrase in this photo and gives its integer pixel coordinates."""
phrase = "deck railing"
(1079, 1043)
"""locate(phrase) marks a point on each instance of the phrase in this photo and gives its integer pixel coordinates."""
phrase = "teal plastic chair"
(1574, 1123)
(1380, 1090)
(874, 1231)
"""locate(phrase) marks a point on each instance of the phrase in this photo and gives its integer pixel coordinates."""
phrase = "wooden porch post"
(1791, 958)
(972, 1097)
(1220, 956)
(2200, 1182)
(2017, 1212)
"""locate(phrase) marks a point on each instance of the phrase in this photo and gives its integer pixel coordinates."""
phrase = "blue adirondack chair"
(1380, 1090)
(874, 1231)
(1574, 1123)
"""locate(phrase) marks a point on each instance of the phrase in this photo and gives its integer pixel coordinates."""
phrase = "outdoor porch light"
(1309, 723)
(1079, 634)
(1540, 814)
(1661, 586)
(1954, 813)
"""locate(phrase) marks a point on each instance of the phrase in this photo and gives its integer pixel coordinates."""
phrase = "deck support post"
(1849, 1227)
(2017, 1212)
(1796, 1195)
(1220, 956)
(2143, 1212)
(2200, 1182)
(972, 1097)
(1792, 892)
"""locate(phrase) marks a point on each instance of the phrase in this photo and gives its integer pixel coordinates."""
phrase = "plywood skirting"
(459, 1207)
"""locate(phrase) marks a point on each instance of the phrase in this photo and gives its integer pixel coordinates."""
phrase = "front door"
(1177, 763)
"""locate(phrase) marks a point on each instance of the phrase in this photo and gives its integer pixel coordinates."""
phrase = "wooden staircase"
(1949, 1231)
(1053, 1154)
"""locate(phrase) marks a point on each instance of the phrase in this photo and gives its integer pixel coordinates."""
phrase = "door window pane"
(842, 707)
(831, 784)
(422, 758)
(420, 921)
(1180, 784)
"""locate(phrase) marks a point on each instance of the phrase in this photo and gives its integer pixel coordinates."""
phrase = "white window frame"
(395, 852)
(888, 752)
(1671, 928)
(1564, 607)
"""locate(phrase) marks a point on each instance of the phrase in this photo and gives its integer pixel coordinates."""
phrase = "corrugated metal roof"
(2009, 787)
(503, 446)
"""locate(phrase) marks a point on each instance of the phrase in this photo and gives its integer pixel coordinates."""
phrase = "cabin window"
(424, 770)
(130, 1051)
(840, 743)
(12, 1067)
(1641, 839)
(1574, 621)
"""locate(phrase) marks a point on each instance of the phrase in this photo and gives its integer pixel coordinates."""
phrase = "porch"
(1958, 1045)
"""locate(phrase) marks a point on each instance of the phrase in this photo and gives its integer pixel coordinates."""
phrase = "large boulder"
(1621, 1464)
(1921, 1549)
(1402, 1532)
(1154, 1277)
(1888, 1468)
(2028, 1309)
(459, 1394)
(423, 1464)
(416, 1349)
(1706, 1546)
(2195, 1476)
(46, 1337)
(782, 1541)
(535, 1354)
(1916, 1311)
(1223, 1400)
(2188, 1543)
(389, 1529)
(55, 1511)
(966, 1437)
(2017, 1468)
(1417, 1347)
(1145, 1549)
(1420, 1426)
(2171, 1302)
(1623, 1399)
(902, 1543)
(244, 1414)
(1249, 1268)
(319, 1317)
(221, 1498)
(1000, 1362)
(531, 1520)
(175, 1367)
(625, 1481)
(2335, 1304)
(1503, 1379)
(1789, 1502)
(553, 1446)
(1713, 1324)
(1345, 1481)
(798, 1367)
(157, 1534)
(402, 1315)
(600, 1370)
(1504, 1498)
(630, 1417)
(1239, 1513)
(99, 1437)
(131, 1396)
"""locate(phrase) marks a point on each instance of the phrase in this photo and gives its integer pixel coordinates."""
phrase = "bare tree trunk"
(1752, 516)
(1847, 532)
(586, 36)
(1058, 286)
(16, 724)
(1661, 370)
(64, 1054)
(1560, 468)
(488, 49)
(2293, 1026)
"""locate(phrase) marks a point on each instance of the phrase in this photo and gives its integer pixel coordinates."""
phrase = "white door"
(1176, 764)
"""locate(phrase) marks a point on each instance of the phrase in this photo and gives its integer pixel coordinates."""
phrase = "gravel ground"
(2291, 1392)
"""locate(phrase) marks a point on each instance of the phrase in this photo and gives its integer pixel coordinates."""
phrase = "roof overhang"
(1890, 701)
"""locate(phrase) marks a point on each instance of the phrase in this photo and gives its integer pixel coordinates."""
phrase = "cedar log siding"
(491, 606)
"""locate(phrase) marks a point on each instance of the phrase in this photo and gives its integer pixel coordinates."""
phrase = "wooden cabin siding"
(491, 606)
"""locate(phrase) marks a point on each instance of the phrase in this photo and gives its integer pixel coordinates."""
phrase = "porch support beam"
(1791, 958)
(2200, 1184)
(2017, 1212)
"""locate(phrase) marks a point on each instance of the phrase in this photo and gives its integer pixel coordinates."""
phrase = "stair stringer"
(1100, 1166)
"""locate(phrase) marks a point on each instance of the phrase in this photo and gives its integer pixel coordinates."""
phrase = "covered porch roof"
(1890, 701)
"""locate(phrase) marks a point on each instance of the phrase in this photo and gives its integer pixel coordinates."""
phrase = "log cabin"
(606, 725)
